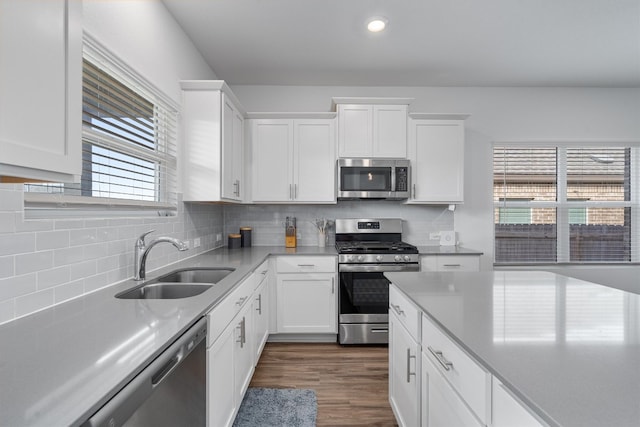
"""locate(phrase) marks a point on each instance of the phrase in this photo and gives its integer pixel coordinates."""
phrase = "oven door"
(364, 302)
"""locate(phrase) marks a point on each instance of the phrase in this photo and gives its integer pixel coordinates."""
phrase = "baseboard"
(303, 338)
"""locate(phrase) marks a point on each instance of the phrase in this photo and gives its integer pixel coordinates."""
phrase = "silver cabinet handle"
(306, 265)
(441, 359)
(295, 191)
(238, 181)
(333, 285)
(264, 273)
(241, 300)
(398, 310)
(242, 339)
(451, 265)
(409, 373)
(414, 191)
(259, 299)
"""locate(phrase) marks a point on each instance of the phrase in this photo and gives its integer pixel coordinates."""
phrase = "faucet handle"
(140, 241)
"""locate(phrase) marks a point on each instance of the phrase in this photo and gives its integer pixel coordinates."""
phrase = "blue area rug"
(277, 407)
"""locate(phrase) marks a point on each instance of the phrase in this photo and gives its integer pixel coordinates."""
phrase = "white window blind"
(129, 141)
(581, 204)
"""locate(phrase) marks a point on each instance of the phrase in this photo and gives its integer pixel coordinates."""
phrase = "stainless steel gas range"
(367, 248)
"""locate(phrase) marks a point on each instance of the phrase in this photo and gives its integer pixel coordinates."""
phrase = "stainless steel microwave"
(373, 179)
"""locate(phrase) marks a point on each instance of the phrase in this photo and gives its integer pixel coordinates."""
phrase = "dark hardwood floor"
(351, 382)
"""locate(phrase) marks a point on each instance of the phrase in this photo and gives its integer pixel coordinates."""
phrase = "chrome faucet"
(141, 251)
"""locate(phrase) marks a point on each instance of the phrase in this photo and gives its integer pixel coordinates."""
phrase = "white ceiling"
(427, 42)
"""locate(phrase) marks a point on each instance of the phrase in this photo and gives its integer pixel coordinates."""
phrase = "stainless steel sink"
(164, 291)
(184, 283)
(196, 275)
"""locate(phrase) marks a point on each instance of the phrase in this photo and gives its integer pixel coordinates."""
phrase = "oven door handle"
(374, 268)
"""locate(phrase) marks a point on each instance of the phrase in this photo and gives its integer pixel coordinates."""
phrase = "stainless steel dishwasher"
(170, 391)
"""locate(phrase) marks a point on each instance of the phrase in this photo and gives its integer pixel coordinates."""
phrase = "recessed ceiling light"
(377, 24)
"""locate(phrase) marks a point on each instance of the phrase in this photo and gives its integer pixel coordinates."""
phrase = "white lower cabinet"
(440, 405)
(306, 295)
(238, 328)
(260, 309)
(507, 411)
(404, 374)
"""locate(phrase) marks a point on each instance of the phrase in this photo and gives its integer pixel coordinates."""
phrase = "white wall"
(497, 114)
(144, 35)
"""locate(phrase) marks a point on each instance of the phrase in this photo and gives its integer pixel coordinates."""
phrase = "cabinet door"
(260, 318)
(232, 141)
(306, 303)
(244, 356)
(41, 85)
(272, 157)
(507, 411)
(436, 151)
(441, 406)
(404, 373)
(314, 161)
(390, 131)
(355, 131)
(221, 397)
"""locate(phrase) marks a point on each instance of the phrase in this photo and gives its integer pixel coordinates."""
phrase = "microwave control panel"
(402, 179)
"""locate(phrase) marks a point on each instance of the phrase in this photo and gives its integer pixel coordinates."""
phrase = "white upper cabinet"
(41, 90)
(436, 152)
(293, 160)
(213, 136)
(372, 127)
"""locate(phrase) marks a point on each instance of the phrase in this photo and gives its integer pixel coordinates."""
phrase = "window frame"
(563, 204)
(46, 205)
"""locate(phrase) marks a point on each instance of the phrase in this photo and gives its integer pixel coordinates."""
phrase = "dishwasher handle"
(118, 410)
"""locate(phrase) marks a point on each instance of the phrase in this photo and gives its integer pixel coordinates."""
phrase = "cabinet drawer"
(406, 312)
(261, 273)
(306, 264)
(470, 380)
(458, 263)
(450, 263)
(224, 312)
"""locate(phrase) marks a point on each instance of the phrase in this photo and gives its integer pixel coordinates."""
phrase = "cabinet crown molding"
(221, 85)
(292, 115)
(368, 100)
(439, 116)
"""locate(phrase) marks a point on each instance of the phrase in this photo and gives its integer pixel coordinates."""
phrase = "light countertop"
(58, 366)
(568, 348)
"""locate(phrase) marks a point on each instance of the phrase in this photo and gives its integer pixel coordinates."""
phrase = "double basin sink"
(183, 283)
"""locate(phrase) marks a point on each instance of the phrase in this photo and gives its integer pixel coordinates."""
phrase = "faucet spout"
(141, 251)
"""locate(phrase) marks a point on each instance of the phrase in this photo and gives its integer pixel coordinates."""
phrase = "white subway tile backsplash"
(7, 266)
(7, 310)
(52, 240)
(33, 302)
(8, 222)
(11, 201)
(68, 290)
(53, 277)
(17, 243)
(83, 236)
(32, 262)
(43, 262)
(16, 286)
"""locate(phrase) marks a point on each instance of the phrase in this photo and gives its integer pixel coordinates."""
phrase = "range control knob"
(398, 258)
(349, 258)
(379, 258)
(360, 258)
(407, 258)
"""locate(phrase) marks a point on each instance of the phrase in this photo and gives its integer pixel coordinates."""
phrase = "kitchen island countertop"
(59, 365)
(568, 348)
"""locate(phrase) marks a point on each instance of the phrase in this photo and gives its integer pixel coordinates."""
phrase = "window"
(129, 141)
(566, 204)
